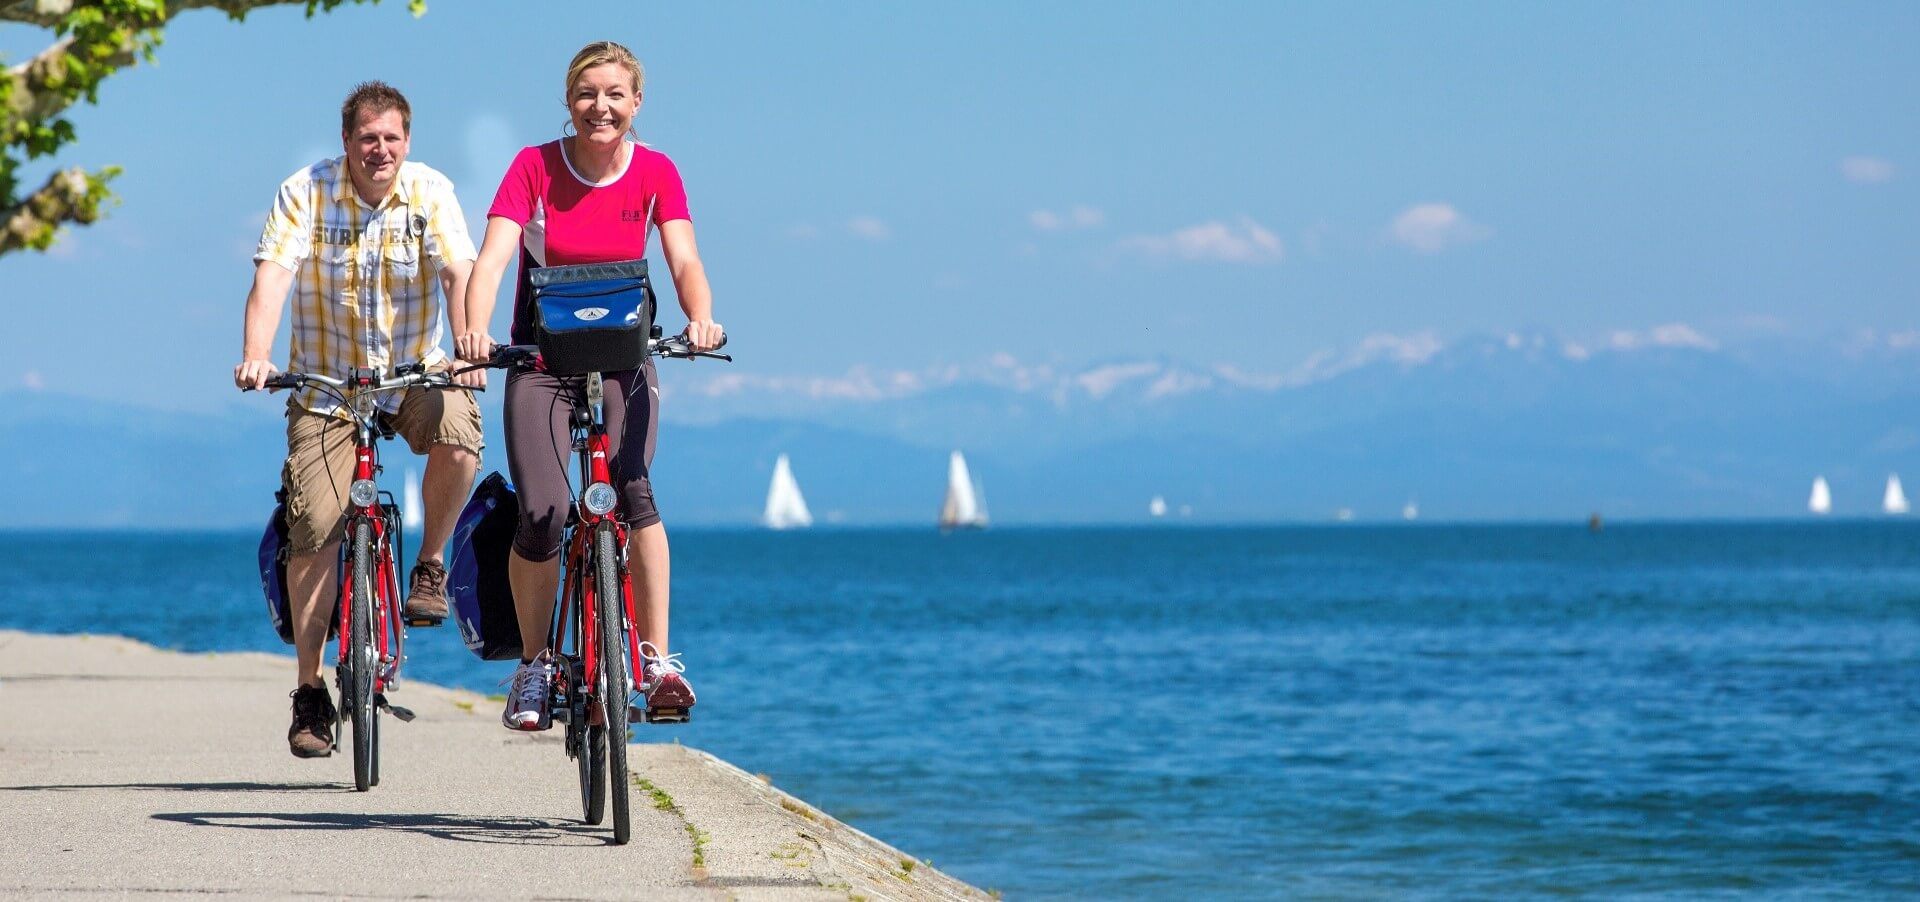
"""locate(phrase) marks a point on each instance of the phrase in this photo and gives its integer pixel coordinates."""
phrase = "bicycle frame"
(389, 632)
(591, 444)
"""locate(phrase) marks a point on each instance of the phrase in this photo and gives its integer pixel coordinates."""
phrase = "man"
(360, 240)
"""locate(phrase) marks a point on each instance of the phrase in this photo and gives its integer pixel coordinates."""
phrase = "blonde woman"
(593, 196)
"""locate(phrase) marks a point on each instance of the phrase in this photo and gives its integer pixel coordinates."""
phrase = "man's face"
(376, 147)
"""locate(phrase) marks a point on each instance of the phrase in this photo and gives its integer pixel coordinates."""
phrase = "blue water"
(1667, 711)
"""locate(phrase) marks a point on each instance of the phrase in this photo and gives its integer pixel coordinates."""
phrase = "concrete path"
(126, 771)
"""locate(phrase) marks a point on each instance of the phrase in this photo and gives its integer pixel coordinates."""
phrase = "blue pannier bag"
(273, 573)
(593, 317)
(477, 576)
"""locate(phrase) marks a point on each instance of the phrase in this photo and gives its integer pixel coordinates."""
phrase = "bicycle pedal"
(425, 622)
(666, 715)
(403, 714)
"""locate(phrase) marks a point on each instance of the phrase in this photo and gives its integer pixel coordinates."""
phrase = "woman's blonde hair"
(600, 53)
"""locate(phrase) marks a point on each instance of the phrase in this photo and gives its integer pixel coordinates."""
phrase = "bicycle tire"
(374, 771)
(360, 663)
(592, 759)
(613, 663)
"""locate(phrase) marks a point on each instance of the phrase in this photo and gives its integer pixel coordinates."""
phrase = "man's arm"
(264, 302)
(453, 286)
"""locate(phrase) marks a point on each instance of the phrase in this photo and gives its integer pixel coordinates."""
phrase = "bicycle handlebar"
(505, 356)
(409, 376)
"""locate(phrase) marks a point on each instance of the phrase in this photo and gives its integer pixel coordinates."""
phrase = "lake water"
(1652, 710)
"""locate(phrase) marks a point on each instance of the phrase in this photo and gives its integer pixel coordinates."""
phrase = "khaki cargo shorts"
(320, 458)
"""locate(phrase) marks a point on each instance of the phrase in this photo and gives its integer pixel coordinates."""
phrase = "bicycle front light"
(599, 498)
(363, 492)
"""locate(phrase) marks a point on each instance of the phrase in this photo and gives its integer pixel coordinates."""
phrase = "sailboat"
(1411, 511)
(963, 508)
(1896, 500)
(1821, 501)
(785, 508)
(1157, 507)
(413, 511)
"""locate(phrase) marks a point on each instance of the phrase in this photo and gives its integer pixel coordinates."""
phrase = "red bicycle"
(369, 621)
(592, 637)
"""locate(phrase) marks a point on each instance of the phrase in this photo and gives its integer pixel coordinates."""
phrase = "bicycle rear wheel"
(360, 659)
(611, 611)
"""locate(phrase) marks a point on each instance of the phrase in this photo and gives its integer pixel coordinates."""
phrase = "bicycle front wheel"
(590, 753)
(360, 658)
(611, 611)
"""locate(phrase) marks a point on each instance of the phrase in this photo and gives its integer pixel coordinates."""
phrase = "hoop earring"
(563, 129)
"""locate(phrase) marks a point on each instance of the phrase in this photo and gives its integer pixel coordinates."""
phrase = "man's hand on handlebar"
(253, 374)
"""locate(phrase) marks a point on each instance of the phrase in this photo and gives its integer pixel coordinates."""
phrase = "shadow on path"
(190, 787)
(510, 830)
(130, 678)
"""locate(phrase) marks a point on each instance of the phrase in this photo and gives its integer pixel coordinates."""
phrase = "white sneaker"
(527, 707)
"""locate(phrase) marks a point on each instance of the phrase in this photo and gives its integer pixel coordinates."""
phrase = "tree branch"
(36, 94)
(71, 195)
(44, 13)
(48, 13)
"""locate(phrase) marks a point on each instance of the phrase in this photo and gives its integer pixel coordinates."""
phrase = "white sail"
(413, 511)
(1410, 512)
(1896, 500)
(786, 509)
(962, 508)
(1157, 507)
(1821, 501)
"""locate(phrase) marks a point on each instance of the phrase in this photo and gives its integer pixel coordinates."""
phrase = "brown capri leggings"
(540, 451)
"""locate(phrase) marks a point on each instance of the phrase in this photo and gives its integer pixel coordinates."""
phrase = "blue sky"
(912, 186)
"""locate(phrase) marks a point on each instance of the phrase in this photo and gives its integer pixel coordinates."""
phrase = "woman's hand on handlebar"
(705, 335)
(473, 349)
(253, 374)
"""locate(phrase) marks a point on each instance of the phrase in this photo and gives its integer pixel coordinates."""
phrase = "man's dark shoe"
(311, 735)
(427, 600)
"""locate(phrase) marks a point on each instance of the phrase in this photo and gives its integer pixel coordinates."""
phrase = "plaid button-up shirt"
(364, 276)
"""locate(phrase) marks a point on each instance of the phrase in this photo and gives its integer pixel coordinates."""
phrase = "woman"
(590, 197)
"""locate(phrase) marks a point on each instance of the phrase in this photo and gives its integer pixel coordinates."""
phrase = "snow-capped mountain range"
(1665, 422)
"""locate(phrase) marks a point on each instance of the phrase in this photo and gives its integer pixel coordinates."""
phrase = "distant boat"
(1343, 515)
(785, 508)
(964, 508)
(1410, 512)
(413, 511)
(1896, 500)
(1157, 507)
(1821, 501)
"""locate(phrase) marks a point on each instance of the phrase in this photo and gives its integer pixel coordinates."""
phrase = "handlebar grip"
(285, 380)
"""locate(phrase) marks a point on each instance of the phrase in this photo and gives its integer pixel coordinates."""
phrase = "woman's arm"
(496, 251)
(689, 282)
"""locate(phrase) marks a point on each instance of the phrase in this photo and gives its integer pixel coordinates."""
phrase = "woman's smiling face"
(603, 101)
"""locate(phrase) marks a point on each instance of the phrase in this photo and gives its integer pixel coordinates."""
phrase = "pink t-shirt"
(566, 219)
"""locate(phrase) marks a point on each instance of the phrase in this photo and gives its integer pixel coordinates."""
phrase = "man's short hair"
(374, 98)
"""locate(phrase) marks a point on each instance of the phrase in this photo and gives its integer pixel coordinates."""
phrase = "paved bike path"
(130, 771)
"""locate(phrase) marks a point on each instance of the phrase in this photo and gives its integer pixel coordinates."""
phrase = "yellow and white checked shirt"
(364, 277)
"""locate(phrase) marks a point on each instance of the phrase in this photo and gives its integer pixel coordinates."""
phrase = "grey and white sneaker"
(527, 707)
